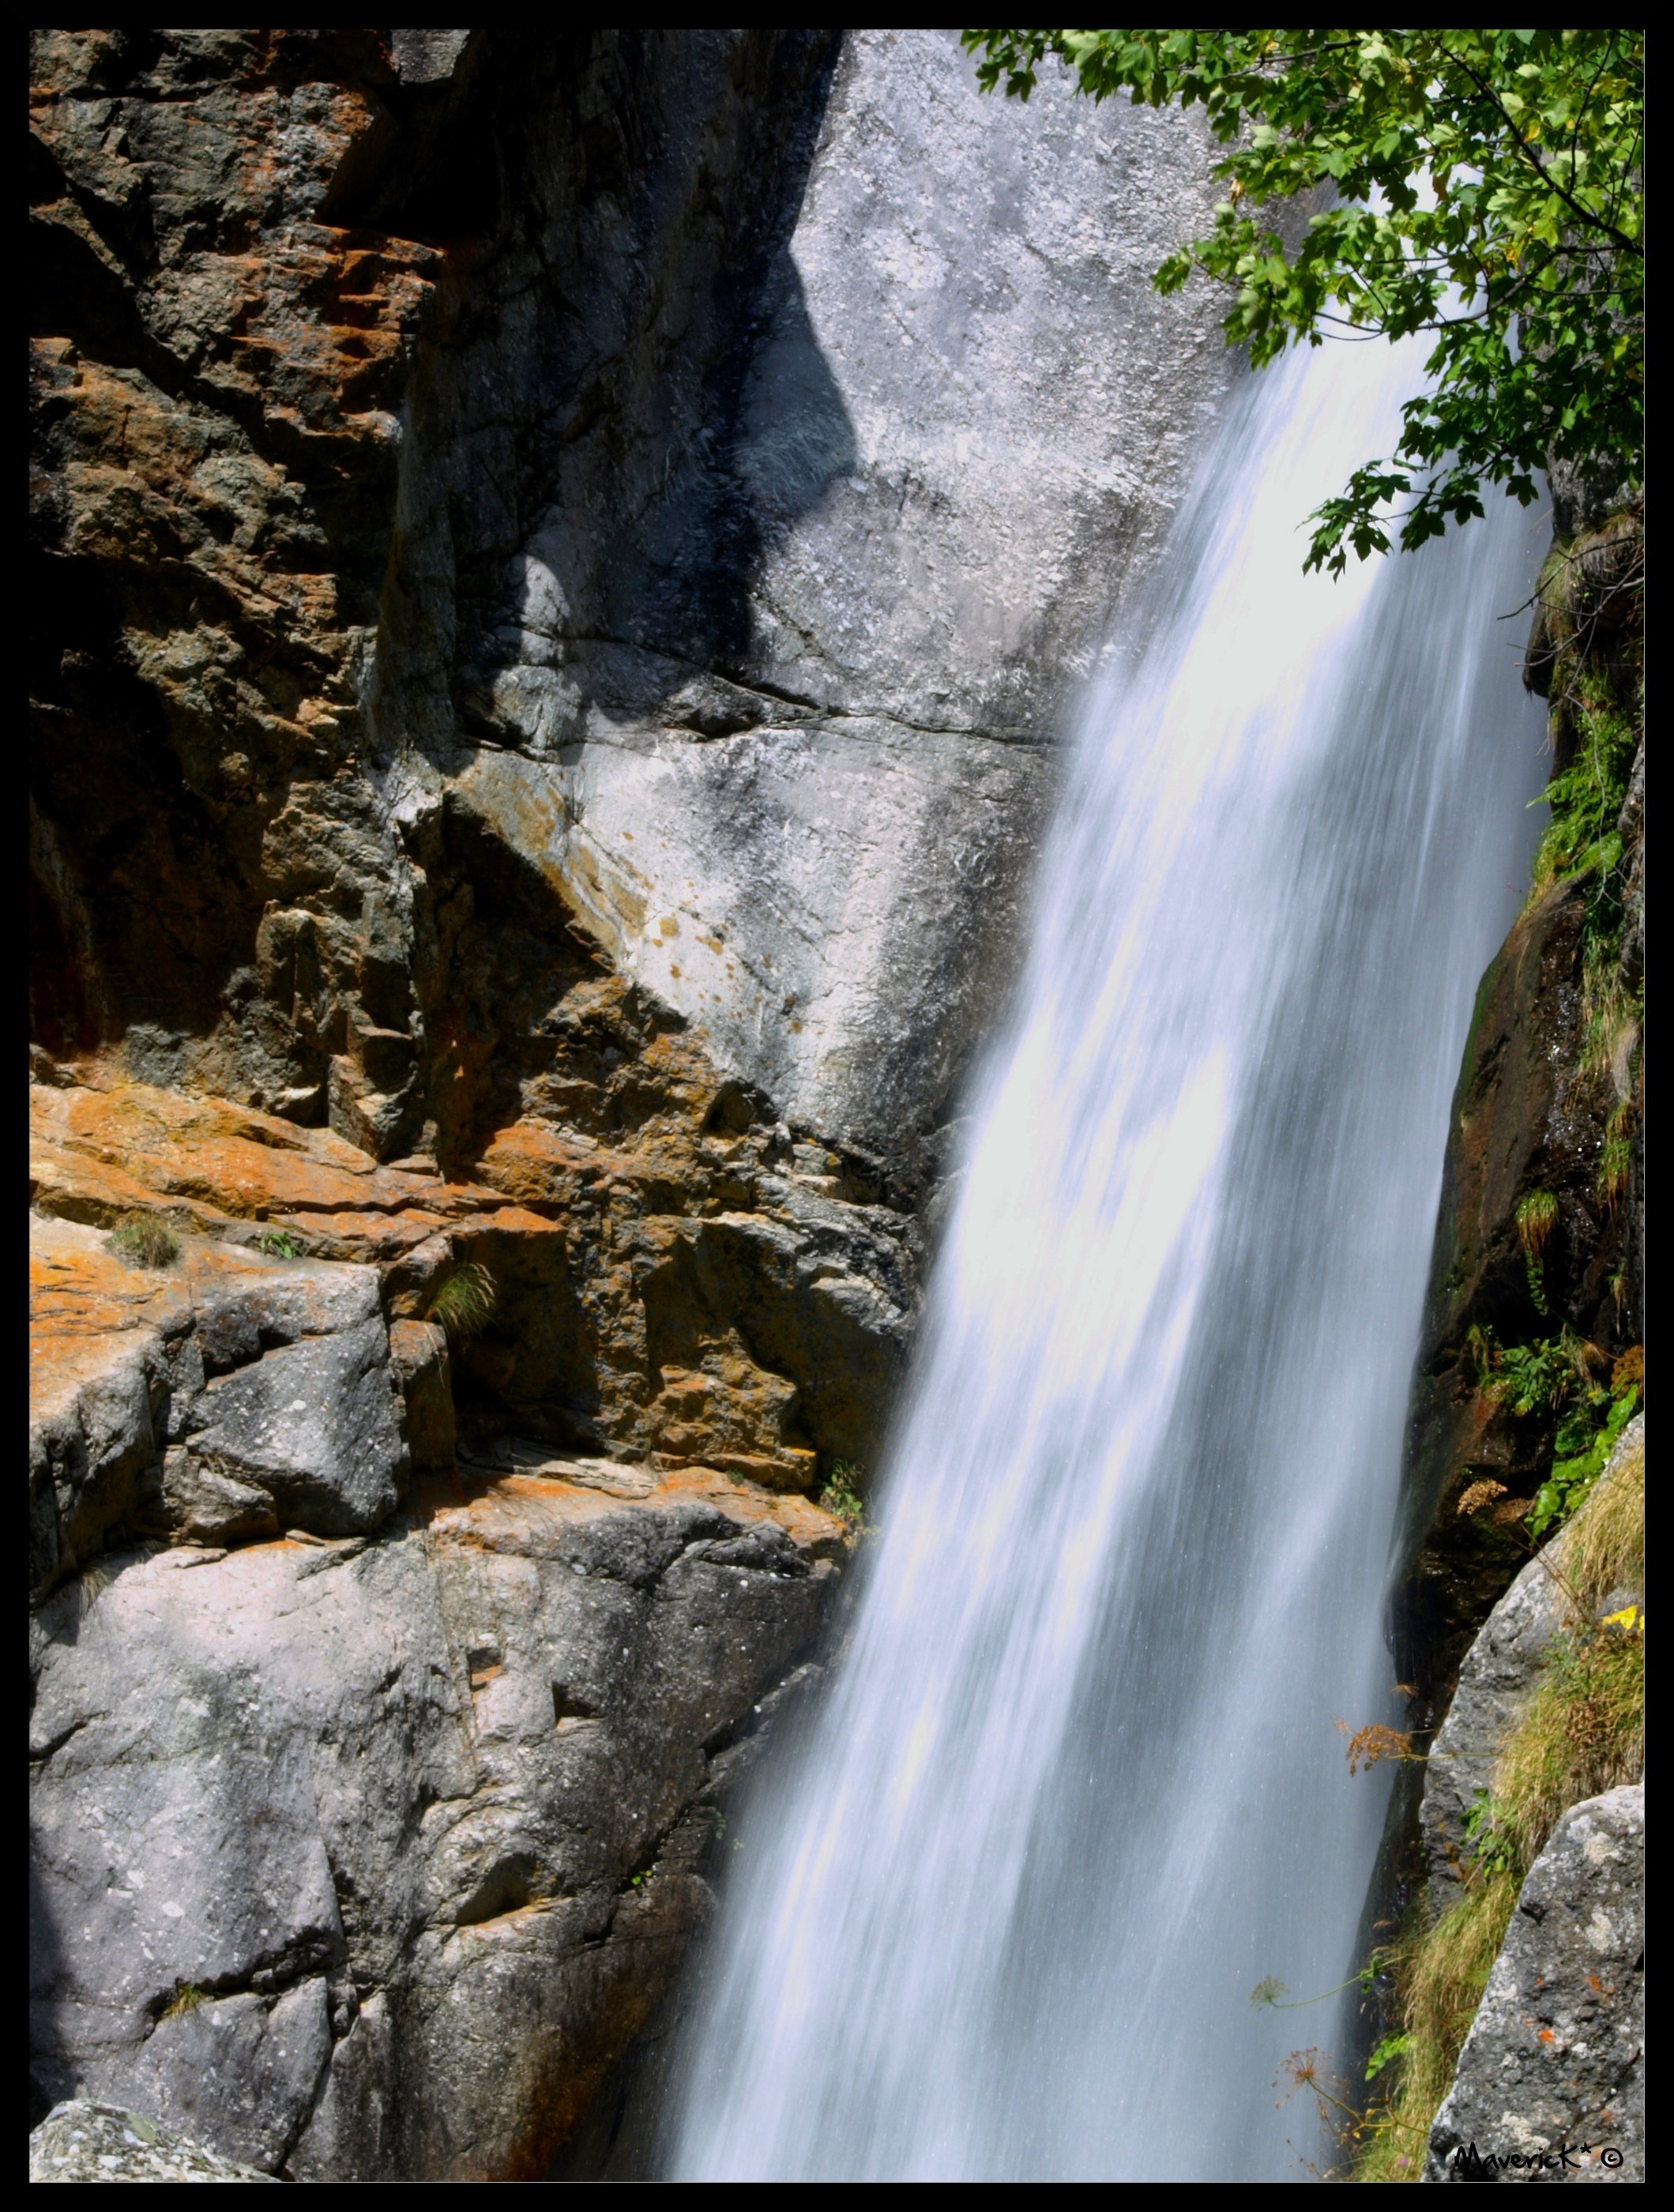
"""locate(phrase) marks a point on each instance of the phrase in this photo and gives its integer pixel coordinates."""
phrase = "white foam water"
(1076, 1786)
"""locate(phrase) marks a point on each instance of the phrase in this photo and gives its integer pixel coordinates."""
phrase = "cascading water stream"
(1076, 1787)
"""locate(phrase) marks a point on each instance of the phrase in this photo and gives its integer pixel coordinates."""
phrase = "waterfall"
(1075, 1788)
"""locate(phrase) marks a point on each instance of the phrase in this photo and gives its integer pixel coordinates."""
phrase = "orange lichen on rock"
(628, 1276)
(516, 1512)
(104, 1146)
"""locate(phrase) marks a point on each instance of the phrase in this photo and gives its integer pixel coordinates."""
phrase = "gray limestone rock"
(225, 1398)
(795, 572)
(1549, 2081)
(82, 2142)
(685, 586)
(221, 1399)
(93, 1443)
(314, 1426)
(427, 56)
(418, 1352)
(363, 1861)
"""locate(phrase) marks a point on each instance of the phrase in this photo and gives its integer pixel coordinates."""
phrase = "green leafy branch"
(1484, 187)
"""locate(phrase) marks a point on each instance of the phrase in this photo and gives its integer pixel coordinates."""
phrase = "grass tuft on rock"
(144, 1242)
(463, 1302)
(1603, 1547)
(1439, 1976)
(1583, 1733)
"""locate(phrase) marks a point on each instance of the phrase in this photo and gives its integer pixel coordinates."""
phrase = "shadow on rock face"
(631, 407)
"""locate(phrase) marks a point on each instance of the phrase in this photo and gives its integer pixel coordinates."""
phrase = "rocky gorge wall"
(1519, 1801)
(561, 561)
(567, 564)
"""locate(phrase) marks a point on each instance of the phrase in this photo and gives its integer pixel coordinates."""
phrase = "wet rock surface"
(1548, 1112)
(1554, 2054)
(1526, 1117)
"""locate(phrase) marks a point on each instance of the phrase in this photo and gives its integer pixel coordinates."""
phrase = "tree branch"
(1531, 155)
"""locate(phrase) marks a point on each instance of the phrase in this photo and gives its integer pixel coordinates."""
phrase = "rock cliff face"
(1533, 1326)
(562, 560)
(1540, 1237)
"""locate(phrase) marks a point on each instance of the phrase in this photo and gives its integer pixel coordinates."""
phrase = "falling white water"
(1076, 1788)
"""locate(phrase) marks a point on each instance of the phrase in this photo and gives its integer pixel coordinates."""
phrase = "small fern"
(1537, 1218)
(841, 1495)
(1614, 1155)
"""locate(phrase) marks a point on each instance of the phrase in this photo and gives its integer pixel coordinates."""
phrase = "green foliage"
(278, 1244)
(144, 1242)
(463, 1301)
(1586, 801)
(1533, 1381)
(186, 1998)
(1485, 1848)
(1384, 2052)
(1485, 188)
(1552, 1380)
(1577, 1465)
(841, 1495)
(1583, 839)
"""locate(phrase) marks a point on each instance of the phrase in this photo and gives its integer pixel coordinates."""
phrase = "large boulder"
(82, 2142)
(1550, 2085)
(228, 1394)
(361, 1860)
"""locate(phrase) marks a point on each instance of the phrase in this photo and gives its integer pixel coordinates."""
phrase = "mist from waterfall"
(1075, 1786)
